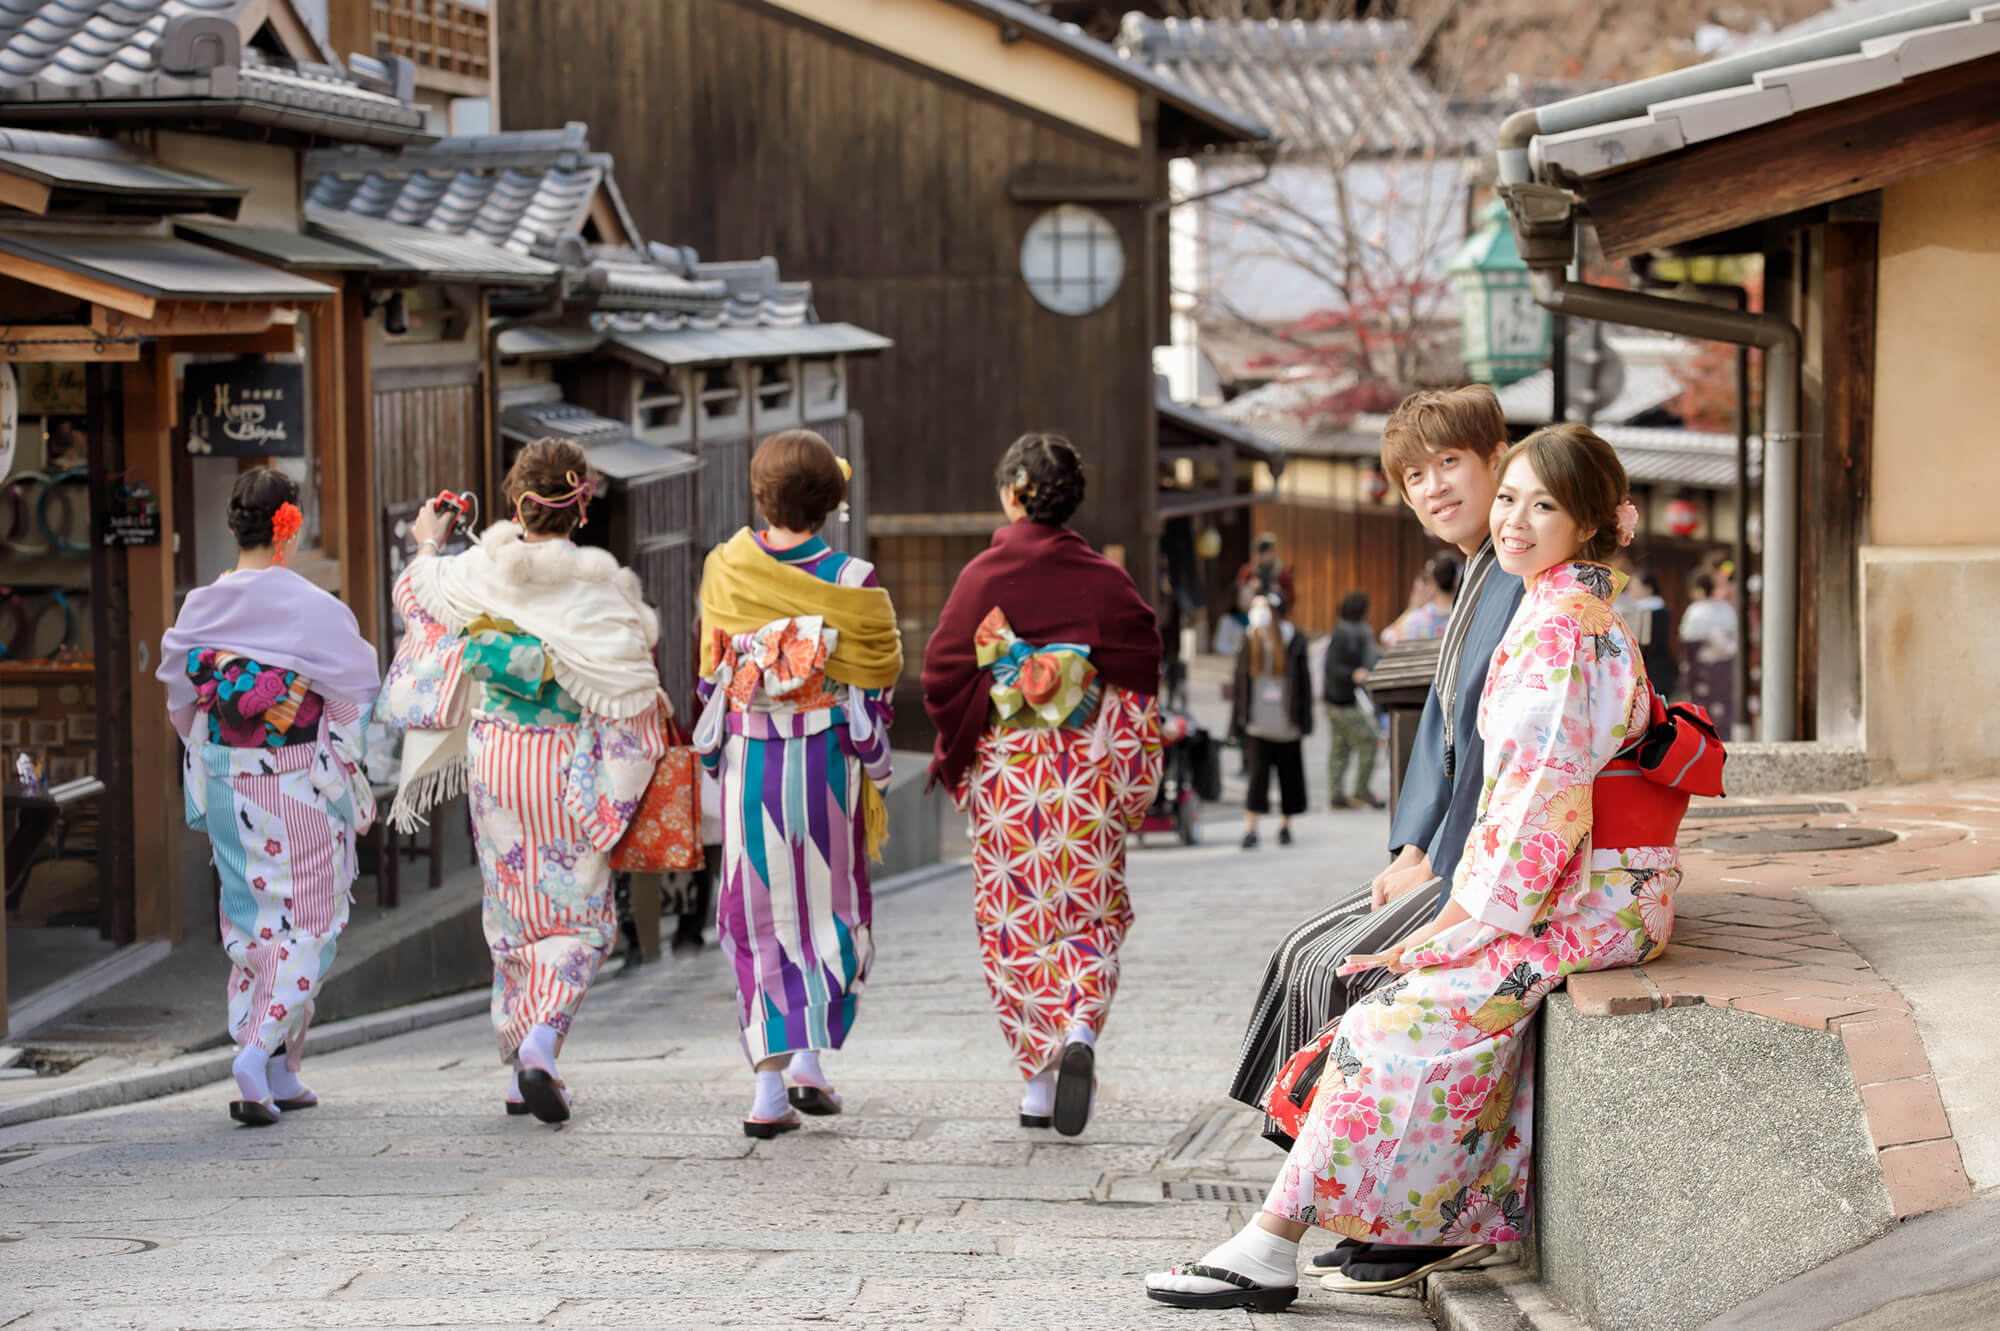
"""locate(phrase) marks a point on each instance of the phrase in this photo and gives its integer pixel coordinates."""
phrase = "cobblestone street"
(408, 1199)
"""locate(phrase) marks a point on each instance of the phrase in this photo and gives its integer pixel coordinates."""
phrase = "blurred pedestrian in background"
(1708, 642)
(1437, 586)
(1271, 708)
(1350, 654)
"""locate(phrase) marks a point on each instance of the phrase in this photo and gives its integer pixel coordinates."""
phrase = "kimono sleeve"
(1134, 753)
(1557, 715)
(877, 759)
(425, 688)
(609, 771)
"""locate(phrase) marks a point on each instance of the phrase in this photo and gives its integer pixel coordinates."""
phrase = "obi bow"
(1050, 682)
(784, 656)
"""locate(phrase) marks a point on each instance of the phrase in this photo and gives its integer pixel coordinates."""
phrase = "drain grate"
(1702, 812)
(1209, 1190)
(1795, 840)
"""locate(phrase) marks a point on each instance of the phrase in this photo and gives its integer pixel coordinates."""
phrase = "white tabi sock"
(252, 1079)
(770, 1103)
(514, 1086)
(1253, 1253)
(1081, 1033)
(538, 1050)
(284, 1083)
(805, 1070)
(1039, 1099)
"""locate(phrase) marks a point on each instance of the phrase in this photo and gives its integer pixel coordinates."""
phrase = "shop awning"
(716, 346)
(133, 272)
(413, 252)
(281, 248)
(609, 444)
(42, 172)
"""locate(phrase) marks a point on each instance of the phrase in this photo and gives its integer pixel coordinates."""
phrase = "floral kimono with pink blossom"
(1421, 1129)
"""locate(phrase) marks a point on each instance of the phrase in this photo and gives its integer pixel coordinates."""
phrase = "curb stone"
(195, 1070)
(1494, 1298)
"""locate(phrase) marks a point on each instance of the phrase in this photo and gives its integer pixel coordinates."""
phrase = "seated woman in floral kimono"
(527, 678)
(1418, 1143)
(269, 683)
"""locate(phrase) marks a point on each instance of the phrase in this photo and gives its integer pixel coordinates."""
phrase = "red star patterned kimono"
(1050, 809)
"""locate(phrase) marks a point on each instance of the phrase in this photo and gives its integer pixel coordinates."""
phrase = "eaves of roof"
(426, 254)
(161, 267)
(1768, 84)
(1247, 442)
(695, 347)
(1215, 124)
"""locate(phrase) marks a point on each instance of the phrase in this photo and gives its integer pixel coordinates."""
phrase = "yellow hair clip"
(846, 470)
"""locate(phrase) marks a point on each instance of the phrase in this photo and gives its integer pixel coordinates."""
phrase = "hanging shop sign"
(53, 388)
(246, 408)
(132, 517)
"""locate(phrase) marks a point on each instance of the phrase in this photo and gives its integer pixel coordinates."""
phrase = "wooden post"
(150, 413)
(361, 507)
(1835, 497)
(111, 618)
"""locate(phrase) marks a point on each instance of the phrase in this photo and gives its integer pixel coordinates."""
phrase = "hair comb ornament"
(579, 495)
(846, 467)
(1628, 522)
(285, 524)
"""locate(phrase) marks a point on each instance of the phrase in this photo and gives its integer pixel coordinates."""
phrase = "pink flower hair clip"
(1628, 522)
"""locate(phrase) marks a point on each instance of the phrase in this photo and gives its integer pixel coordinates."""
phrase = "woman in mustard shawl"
(799, 652)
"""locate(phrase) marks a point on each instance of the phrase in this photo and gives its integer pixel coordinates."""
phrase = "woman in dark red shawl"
(1041, 680)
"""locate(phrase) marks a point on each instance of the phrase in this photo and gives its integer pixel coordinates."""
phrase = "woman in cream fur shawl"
(527, 679)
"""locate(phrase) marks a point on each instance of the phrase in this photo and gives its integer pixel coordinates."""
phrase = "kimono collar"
(1581, 575)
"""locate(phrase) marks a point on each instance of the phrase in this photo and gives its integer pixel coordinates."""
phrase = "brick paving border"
(1745, 940)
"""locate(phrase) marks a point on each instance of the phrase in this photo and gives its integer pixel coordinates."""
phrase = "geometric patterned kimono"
(552, 788)
(1065, 769)
(273, 775)
(795, 754)
(1421, 1130)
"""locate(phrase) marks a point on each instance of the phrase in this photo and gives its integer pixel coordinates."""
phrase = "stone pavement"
(408, 1199)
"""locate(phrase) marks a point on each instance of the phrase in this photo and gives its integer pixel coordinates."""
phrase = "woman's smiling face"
(1530, 530)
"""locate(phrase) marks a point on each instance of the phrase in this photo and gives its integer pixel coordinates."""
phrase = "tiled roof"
(112, 58)
(1802, 73)
(685, 346)
(1343, 87)
(522, 191)
(1217, 121)
(732, 294)
(1249, 443)
(609, 445)
(428, 254)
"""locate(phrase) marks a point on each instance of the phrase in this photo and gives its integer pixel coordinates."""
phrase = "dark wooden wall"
(742, 131)
(426, 433)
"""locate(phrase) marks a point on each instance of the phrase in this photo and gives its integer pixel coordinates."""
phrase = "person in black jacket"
(1271, 707)
(1350, 654)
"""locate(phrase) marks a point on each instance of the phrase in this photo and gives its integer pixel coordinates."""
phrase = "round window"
(1071, 260)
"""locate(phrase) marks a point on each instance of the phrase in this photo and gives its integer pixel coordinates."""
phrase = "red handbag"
(664, 835)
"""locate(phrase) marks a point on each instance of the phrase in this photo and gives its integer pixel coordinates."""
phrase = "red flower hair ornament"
(285, 524)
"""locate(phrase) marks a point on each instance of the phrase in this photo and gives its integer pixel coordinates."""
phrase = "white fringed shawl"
(587, 612)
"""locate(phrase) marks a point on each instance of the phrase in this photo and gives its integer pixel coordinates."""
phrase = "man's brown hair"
(1434, 420)
(796, 480)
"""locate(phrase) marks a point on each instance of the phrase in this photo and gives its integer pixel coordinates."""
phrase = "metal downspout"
(1779, 340)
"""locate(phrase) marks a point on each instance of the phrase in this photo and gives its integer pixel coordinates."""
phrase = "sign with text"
(133, 516)
(245, 408)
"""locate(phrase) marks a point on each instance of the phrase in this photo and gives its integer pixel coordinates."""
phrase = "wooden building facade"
(977, 183)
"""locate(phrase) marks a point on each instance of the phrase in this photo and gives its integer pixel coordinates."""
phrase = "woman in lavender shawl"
(270, 683)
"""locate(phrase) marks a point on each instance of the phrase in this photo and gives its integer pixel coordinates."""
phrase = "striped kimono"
(792, 751)
(552, 788)
(273, 776)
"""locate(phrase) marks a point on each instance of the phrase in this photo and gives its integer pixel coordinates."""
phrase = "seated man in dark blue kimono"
(1441, 450)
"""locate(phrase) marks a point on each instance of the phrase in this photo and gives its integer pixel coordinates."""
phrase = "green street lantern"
(1504, 334)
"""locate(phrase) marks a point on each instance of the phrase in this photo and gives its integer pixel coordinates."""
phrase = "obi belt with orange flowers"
(1046, 688)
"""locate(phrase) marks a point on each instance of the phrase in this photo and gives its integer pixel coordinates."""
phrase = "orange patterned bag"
(665, 833)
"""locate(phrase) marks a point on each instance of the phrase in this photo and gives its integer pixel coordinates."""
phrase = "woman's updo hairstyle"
(254, 501)
(797, 480)
(1583, 475)
(1045, 474)
(550, 470)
